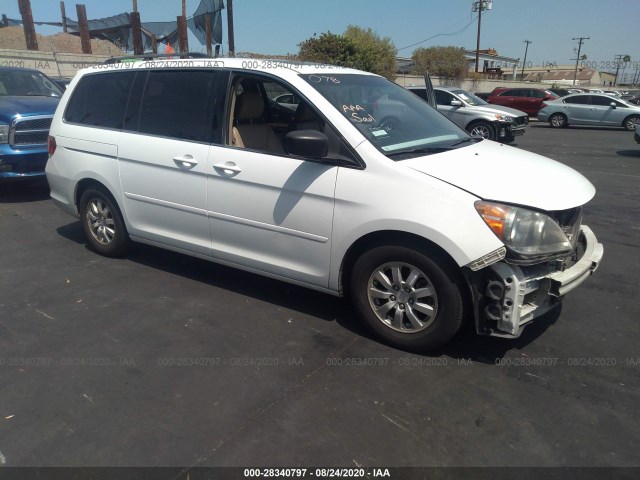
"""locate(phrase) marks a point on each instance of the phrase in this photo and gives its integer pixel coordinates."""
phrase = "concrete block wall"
(50, 63)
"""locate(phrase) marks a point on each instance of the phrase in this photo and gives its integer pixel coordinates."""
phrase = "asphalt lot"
(98, 355)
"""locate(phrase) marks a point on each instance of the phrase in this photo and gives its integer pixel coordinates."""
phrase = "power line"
(440, 35)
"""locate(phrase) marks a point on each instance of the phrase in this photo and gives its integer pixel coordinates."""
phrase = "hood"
(493, 171)
(493, 108)
(10, 107)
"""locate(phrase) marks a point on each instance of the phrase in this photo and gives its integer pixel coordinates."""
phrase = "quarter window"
(100, 100)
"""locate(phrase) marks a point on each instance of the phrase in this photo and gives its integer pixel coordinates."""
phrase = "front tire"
(407, 299)
(631, 122)
(103, 224)
(558, 120)
(483, 129)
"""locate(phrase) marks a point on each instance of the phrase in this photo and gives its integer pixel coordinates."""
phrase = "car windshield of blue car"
(27, 83)
(398, 123)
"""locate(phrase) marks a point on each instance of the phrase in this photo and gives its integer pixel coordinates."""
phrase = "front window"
(15, 83)
(394, 120)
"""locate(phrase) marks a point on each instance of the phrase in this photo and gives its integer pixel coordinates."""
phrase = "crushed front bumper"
(510, 296)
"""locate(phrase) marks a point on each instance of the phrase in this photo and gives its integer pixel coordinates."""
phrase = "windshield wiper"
(466, 140)
(427, 150)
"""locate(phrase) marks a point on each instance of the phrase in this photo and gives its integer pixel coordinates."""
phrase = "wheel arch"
(391, 237)
(88, 182)
(482, 121)
(626, 119)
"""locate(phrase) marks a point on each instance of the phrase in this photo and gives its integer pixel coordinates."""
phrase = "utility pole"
(135, 5)
(184, 8)
(232, 43)
(525, 57)
(624, 59)
(617, 59)
(64, 17)
(575, 71)
(27, 24)
(479, 6)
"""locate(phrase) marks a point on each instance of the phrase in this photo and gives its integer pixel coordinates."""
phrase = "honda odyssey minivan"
(423, 226)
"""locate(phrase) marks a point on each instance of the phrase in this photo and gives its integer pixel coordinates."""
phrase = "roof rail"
(155, 56)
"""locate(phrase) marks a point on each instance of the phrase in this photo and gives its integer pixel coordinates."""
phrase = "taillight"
(51, 145)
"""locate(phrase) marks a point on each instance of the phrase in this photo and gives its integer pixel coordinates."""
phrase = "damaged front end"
(529, 276)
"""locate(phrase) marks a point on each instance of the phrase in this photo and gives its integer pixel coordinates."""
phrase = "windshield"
(470, 98)
(393, 119)
(27, 83)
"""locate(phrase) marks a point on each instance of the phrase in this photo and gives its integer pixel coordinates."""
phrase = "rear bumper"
(515, 295)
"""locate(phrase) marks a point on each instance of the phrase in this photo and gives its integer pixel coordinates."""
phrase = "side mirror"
(456, 103)
(306, 143)
(613, 104)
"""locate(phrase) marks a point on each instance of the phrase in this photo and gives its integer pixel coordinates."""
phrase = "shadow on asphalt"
(22, 191)
(579, 127)
(630, 153)
(466, 345)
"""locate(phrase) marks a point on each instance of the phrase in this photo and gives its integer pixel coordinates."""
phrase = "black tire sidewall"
(449, 317)
(120, 243)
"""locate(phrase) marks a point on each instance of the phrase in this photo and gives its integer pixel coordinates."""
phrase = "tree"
(327, 48)
(373, 53)
(448, 62)
(356, 48)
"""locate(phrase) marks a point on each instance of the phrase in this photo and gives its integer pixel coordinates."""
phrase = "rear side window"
(536, 93)
(577, 100)
(177, 104)
(100, 100)
(511, 93)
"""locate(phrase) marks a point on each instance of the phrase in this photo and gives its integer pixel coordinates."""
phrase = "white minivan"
(423, 226)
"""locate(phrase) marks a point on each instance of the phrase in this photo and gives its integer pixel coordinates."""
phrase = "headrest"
(249, 106)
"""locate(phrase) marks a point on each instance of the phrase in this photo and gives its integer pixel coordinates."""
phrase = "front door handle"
(228, 168)
(186, 161)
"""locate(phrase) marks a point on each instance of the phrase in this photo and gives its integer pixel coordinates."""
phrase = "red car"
(528, 100)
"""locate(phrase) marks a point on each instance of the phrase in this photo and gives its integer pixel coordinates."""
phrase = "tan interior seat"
(249, 134)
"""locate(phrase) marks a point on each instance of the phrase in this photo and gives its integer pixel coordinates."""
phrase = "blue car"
(28, 99)
(590, 109)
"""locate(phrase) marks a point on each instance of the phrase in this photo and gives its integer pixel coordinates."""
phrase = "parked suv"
(423, 226)
(529, 100)
(493, 122)
(28, 99)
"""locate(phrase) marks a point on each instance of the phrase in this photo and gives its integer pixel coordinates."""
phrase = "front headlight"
(503, 118)
(4, 133)
(523, 231)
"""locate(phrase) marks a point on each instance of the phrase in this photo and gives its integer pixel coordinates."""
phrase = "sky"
(278, 26)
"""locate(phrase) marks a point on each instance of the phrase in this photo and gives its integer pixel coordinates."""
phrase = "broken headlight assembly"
(529, 235)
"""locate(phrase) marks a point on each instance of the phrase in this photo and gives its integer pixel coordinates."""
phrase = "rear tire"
(407, 299)
(558, 120)
(103, 224)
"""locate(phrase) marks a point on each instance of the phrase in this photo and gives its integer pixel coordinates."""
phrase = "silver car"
(493, 122)
(590, 109)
